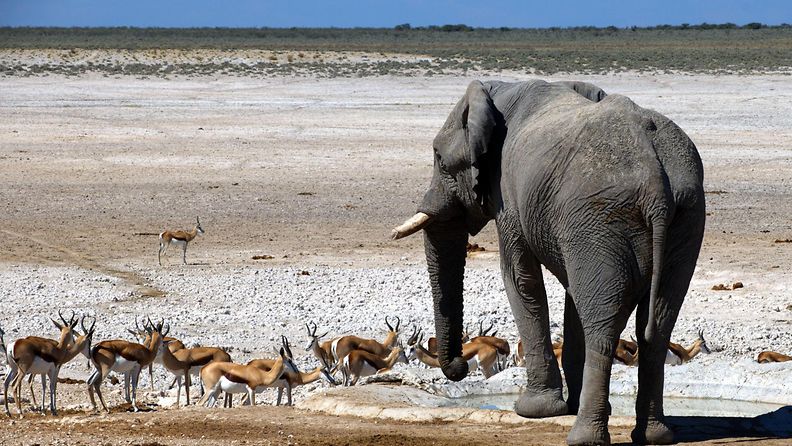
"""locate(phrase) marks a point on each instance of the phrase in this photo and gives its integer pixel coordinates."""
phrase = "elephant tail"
(659, 226)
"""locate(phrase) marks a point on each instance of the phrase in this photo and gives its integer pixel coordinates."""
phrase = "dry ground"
(316, 172)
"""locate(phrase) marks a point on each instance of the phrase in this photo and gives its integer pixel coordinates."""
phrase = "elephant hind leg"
(573, 354)
(602, 291)
(522, 277)
(681, 255)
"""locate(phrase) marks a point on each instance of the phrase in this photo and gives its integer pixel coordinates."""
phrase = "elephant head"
(457, 203)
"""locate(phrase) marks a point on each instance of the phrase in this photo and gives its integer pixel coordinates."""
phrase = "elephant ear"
(467, 137)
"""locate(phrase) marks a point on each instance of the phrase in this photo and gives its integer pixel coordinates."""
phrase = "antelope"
(431, 343)
(500, 345)
(477, 354)
(173, 345)
(124, 357)
(291, 379)
(33, 355)
(179, 238)
(626, 353)
(519, 358)
(360, 363)
(237, 378)
(66, 338)
(190, 361)
(342, 346)
(321, 350)
(677, 354)
(767, 356)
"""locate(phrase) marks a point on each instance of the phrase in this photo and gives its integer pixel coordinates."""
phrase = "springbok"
(39, 356)
(142, 337)
(501, 345)
(124, 357)
(186, 362)
(677, 354)
(342, 346)
(360, 363)
(179, 238)
(66, 338)
(237, 378)
(768, 356)
(626, 353)
(478, 355)
(322, 350)
(519, 358)
(431, 343)
(291, 379)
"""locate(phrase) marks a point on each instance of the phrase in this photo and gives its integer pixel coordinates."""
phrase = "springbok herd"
(349, 356)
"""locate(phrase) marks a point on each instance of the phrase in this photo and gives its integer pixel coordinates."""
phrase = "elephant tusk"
(411, 226)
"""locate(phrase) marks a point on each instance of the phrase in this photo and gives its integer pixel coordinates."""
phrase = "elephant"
(608, 196)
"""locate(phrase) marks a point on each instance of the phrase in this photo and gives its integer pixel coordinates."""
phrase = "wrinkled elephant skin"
(607, 196)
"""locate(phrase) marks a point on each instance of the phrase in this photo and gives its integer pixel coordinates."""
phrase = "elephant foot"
(540, 405)
(588, 432)
(652, 431)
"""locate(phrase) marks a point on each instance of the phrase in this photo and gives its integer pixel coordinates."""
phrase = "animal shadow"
(772, 425)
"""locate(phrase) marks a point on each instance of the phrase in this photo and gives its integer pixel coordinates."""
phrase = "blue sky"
(378, 13)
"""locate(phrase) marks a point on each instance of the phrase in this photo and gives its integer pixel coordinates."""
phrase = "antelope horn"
(411, 226)
(398, 323)
(323, 334)
(313, 333)
(388, 324)
(73, 320)
(285, 342)
(63, 319)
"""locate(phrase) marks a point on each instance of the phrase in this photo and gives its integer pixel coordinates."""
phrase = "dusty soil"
(290, 426)
(315, 173)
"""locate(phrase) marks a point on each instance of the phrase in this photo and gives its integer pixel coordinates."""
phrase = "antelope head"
(702, 343)
(314, 339)
(198, 225)
(411, 344)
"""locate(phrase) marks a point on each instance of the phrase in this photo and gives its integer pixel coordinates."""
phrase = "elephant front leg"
(522, 277)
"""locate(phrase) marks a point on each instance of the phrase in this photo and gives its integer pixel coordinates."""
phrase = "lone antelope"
(291, 379)
(179, 238)
(40, 356)
(677, 354)
(124, 357)
(360, 363)
(342, 346)
(767, 357)
(237, 378)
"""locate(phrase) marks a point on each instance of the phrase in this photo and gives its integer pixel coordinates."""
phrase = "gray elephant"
(607, 196)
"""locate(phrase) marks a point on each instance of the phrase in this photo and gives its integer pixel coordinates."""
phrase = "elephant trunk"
(445, 258)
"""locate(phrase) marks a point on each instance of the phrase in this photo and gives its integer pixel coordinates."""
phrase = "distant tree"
(455, 28)
(402, 27)
(754, 25)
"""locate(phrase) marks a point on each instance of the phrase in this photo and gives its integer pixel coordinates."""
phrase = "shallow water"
(623, 405)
